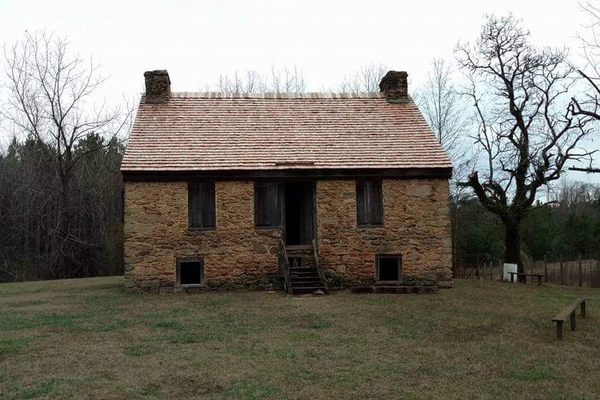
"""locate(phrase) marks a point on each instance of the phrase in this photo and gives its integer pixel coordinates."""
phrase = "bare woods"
(513, 116)
(59, 178)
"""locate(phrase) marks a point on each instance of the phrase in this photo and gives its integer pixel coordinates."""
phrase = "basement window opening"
(190, 271)
(389, 268)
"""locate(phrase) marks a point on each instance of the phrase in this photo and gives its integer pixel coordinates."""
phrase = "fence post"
(546, 268)
(501, 267)
(484, 271)
(562, 276)
(579, 267)
(491, 270)
(568, 274)
(531, 267)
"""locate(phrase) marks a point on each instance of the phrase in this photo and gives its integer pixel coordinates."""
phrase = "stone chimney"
(158, 86)
(395, 87)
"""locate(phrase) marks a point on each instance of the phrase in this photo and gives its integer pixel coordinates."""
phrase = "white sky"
(197, 40)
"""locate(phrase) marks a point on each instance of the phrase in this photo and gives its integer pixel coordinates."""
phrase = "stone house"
(304, 190)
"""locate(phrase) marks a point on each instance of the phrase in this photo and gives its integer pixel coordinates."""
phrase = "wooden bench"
(538, 276)
(568, 312)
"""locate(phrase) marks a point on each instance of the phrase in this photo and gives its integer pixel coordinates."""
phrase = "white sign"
(508, 268)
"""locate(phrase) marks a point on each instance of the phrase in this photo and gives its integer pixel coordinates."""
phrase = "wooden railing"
(285, 266)
(318, 265)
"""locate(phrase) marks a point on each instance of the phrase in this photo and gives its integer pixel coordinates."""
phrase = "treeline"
(567, 227)
(60, 186)
(30, 208)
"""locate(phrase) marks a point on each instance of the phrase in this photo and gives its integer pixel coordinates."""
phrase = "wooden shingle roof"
(243, 132)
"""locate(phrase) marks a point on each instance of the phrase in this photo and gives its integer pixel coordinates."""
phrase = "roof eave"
(297, 173)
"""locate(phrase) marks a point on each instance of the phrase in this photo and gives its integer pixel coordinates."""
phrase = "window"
(190, 271)
(389, 268)
(369, 203)
(267, 210)
(201, 205)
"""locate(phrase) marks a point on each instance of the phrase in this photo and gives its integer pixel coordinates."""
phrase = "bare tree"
(589, 103)
(249, 81)
(446, 111)
(366, 79)
(526, 132)
(571, 193)
(285, 80)
(49, 93)
(450, 119)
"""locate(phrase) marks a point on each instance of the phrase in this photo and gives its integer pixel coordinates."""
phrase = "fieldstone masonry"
(158, 86)
(236, 254)
(156, 234)
(416, 225)
(394, 86)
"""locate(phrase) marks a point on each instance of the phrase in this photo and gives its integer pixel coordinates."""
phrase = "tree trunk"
(64, 255)
(512, 243)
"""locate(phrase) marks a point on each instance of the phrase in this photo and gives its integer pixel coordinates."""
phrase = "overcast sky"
(328, 40)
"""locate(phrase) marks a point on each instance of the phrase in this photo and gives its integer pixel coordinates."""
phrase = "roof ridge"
(280, 95)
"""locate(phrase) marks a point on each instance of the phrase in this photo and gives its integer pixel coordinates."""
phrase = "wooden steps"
(304, 276)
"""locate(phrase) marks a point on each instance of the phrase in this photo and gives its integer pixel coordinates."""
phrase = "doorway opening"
(299, 213)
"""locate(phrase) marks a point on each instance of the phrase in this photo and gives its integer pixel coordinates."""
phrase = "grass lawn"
(89, 338)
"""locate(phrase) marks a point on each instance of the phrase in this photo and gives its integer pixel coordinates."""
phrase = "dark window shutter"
(266, 204)
(194, 216)
(208, 204)
(201, 205)
(361, 203)
(369, 203)
(376, 203)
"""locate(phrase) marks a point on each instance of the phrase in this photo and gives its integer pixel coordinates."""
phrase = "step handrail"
(318, 265)
(285, 265)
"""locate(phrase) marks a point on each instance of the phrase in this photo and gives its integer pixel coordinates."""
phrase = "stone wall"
(416, 225)
(156, 234)
(236, 254)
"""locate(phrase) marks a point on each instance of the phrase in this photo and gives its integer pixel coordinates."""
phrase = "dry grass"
(90, 339)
